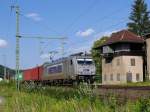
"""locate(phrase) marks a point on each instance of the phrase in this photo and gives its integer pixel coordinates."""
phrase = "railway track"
(124, 87)
(123, 92)
(119, 91)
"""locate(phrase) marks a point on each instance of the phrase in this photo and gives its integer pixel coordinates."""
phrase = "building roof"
(147, 36)
(123, 36)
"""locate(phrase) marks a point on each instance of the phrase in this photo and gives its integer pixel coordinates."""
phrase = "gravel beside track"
(123, 92)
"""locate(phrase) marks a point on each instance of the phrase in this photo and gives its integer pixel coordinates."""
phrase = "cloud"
(105, 33)
(3, 43)
(45, 56)
(82, 46)
(85, 33)
(34, 16)
(87, 45)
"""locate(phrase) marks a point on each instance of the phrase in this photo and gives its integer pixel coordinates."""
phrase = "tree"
(97, 56)
(139, 18)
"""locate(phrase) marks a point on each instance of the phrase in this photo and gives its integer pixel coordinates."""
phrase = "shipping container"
(33, 74)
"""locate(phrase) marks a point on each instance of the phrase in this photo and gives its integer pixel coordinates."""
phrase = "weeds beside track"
(64, 99)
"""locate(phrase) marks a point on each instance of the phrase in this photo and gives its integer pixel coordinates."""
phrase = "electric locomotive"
(73, 69)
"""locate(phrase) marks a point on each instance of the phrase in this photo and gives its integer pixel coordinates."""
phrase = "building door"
(129, 77)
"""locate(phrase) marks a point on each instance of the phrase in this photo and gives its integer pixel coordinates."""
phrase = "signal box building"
(148, 55)
(122, 58)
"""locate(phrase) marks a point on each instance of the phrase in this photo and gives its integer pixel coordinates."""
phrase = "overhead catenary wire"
(14, 2)
(101, 19)
(47, 38)
(18, 36)
(87, 10)
(116, 24)
(73, 23)
(107, 16)
(45, 26)
(79, 17)
(9, 22)
(110, 27)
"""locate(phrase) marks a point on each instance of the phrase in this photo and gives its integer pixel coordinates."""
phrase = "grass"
(62, 99)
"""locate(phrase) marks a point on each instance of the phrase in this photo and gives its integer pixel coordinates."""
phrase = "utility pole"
(17, 47)
(62, 43)
(17, 9)
(18, 36)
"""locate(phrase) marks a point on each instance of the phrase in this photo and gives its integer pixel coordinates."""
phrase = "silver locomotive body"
(70, 69)
(84, 68)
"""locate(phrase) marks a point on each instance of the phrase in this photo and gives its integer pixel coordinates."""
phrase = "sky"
(81, 21)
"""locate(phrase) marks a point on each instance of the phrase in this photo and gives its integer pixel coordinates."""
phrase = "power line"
(108, 28)
(106, 17)
(45, 26)
(103, 19)
(14, 2)
(41, 37)
(80, 16)
(116, 24)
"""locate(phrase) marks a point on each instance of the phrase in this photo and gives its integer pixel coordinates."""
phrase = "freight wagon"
(33, 74)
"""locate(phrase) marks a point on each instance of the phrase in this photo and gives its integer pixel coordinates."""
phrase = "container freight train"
(70, 70)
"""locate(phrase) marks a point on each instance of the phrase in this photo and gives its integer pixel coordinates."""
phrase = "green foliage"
(11, 71)
(139, 18)
(65, 99)
(49, 99)
(142, 105)
(97, 56)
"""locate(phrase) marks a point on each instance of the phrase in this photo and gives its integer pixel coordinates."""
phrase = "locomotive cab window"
(84, 61)
(89, 62)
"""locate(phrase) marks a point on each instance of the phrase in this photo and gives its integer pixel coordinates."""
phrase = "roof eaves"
(122, 42)
(147, 35)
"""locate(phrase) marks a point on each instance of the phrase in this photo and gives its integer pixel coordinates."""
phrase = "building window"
(118, 62)
(111, 77)
(118, 77)
(108, 60)
(137, 77)
(105, 77)
(132, 62)
(71, 62)
(129, 77)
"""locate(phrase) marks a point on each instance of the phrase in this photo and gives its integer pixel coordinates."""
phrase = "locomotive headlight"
(80, 72)
(91, 72)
